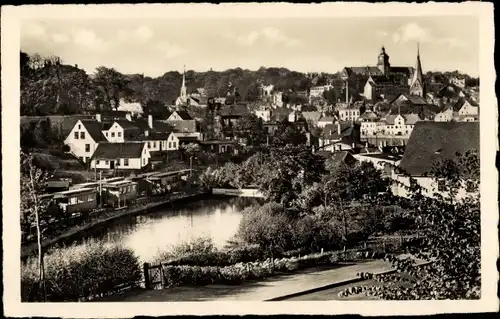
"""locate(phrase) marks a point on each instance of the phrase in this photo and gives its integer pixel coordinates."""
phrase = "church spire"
(183, 94)
(417, 81)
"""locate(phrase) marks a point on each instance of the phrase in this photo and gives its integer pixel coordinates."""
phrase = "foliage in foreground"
(451, 225)
(80, 272)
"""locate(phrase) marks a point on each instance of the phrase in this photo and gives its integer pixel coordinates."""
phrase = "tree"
(288, 133)
(112, 84)
(353, 183)
(289, 170)
(452, 243)
(250, 127)
(33, 183)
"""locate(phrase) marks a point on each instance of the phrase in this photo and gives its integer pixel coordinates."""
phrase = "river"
(217, 218)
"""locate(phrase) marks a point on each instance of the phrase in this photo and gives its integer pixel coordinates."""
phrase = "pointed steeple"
(183, 87)
(417, 81)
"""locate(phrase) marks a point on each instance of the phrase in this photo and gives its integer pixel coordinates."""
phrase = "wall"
(77, 146)
(133, 163)
(428, 183)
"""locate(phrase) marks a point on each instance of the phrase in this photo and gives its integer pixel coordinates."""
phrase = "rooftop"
(118, 150)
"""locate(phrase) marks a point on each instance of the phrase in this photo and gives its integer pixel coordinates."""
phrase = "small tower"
(417, 85)
(383, 62)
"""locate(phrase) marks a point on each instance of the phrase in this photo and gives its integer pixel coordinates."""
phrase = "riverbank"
(108, 216)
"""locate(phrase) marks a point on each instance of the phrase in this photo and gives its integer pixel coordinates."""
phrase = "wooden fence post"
(345, 253)
(146, 276)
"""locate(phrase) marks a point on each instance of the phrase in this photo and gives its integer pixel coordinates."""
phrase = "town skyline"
(148, 47)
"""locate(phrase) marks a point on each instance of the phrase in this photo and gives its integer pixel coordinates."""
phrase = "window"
(143, 161)
(154, 144)
(82, 135)
(76, 135)
(112, 134)
(118, 162)
(169, 144)
(119, 134)
(79, 126)
(125, 162)
(441, 185)
(97, 161)
(149, 144)
(87, 148)
(106, 134)
(174, 144)
(106, 162)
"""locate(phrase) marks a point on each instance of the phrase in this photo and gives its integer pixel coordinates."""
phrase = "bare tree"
(33, 182)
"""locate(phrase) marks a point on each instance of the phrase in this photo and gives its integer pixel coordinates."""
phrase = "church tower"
(417, 86)
(183, 98)
(383, 62)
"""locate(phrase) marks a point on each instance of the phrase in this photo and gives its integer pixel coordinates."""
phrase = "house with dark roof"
(466, 106)
(433, 142)
(409, 98)
(342, 158)
(84, 139)
(179, 115)
(340, 137)
(120, 156)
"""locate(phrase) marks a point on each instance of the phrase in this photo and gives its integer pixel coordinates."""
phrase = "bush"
(81, 272)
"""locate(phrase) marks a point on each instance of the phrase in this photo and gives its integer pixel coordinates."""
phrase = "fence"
(156, 278)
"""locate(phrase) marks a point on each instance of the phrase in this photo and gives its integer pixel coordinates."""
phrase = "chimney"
(128, 116)
(338, 128)
(150, 121)
(98, 117)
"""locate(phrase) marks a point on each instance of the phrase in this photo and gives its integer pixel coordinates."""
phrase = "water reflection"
(147, 234)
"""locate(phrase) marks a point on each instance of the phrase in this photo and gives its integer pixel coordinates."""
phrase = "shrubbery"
(80, 272)
(240, 272)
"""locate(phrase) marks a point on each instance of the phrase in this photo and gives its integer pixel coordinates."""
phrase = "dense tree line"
(48, 86)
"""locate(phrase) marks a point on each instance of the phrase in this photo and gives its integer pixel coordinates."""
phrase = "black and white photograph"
(160, 159)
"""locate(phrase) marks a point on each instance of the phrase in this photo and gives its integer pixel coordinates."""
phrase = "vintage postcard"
(227, 159)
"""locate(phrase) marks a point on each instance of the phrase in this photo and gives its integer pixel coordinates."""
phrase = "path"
(262, 290)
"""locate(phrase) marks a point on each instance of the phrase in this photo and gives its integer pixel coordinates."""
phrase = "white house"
(445, 115)
(381, 161)
(400, 124)
(429, 143)
(467, 107)
(277, 99)
(264, 114)
(369, 124)
(350, 113)
(326, 120)
(317, 91)
(122, 156)
(84, 139)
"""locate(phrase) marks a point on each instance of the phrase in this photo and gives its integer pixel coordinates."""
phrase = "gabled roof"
(153, 136)
(460, 103)
(389, 119)
(329, 119)
(94, 129)
(432, 141)
(414, 99)
(183, 115)
(181, 126)
(187, 139)
(369, 116)
(118, 150)
(312, 116)
(406, 70)
(411, 119)
(343, 157)
(330, 131)
(127, 125)
(362, 70)
(235, 110)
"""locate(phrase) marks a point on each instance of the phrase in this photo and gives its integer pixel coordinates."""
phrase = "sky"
(323, 44)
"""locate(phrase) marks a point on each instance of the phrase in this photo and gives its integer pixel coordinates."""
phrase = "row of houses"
(116, 141)
(430, 143)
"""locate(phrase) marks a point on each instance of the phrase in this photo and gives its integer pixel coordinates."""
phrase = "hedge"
(236, 274)
(84, 272)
